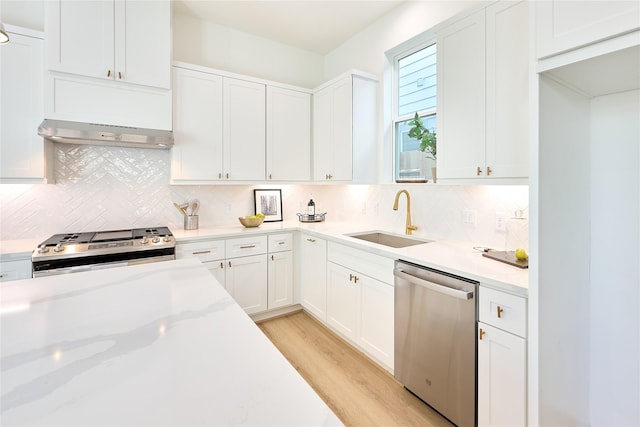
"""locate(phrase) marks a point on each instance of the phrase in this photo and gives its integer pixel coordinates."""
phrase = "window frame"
(394, 55)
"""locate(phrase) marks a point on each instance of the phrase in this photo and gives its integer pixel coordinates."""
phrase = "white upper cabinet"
(197, 123)
(119, 40)
(461, 97)
(344, 130)
(288, 135)
(566, 25)
(483, 94)
(229, 128)
(109, 62)
(244, 130)
(507, 131)
(219, 128)
(22, 156)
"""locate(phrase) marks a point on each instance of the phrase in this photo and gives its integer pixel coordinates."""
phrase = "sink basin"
(389, 239)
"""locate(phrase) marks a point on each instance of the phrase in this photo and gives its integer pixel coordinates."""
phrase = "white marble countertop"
(153, 344)
(453, 257)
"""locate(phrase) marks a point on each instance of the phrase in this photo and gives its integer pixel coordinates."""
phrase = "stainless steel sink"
(389, 239)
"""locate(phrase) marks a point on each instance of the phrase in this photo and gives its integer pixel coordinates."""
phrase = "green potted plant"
(427, 138)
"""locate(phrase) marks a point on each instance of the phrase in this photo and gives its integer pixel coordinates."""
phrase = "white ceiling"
(316, 26)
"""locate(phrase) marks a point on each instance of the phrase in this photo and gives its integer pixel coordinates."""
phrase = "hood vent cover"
(98, 134)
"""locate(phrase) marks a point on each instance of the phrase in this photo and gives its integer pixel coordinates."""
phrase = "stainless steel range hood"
(98, 134)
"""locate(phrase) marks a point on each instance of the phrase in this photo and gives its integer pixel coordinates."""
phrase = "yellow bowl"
(250, 222)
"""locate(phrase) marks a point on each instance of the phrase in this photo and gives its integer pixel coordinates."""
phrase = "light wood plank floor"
(358, 391)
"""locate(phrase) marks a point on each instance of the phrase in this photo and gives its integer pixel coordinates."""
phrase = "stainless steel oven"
(76, 252)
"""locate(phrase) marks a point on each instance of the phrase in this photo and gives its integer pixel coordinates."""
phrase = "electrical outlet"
(469, 217)
(501, 221)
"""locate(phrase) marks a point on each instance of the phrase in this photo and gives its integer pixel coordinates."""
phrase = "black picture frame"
(269, 203)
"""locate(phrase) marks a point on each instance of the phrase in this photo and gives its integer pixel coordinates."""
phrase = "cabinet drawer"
(375, 266)
(280, 242)
(246, 246)
(210, 250)
(505, 311)
(15, 270)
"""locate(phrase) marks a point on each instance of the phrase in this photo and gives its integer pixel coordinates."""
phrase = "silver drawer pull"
(311, 240)
(281, 242)
(247, 247)
(201, 252)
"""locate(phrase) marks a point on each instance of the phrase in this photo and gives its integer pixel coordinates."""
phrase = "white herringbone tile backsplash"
(102, 188)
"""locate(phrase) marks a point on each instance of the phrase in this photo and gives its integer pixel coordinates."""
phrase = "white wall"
(615, 250)
(23, 13)
(365, 51)
(216, 46)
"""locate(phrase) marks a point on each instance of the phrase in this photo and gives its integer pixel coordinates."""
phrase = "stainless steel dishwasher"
(435, 339)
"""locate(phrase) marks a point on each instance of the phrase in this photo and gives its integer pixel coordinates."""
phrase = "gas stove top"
(103, 243)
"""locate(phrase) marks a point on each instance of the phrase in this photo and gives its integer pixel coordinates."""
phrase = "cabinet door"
(332, 127)
(313, 280)
(244, 130)
(21, 109)
(197, 123)
(143, 42)
(246, 281)
(461, 98)
(566, 25)
(218, 271)
(376, 319)
(343, 302)
(280, 282)
(341, 118)
(81, 37)
(507, 141)
(288, 135)
(322, 135)
(501, 378)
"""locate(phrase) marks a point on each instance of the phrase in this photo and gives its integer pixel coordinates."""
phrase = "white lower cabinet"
(246, 281)
(257, 271)
(211, 254)
(313, 275)
(15, 269)
(360, 300)
(377, 320)
(280, 271)
(343, 297)
(502, 362)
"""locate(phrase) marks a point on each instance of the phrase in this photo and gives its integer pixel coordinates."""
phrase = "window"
(415, 92)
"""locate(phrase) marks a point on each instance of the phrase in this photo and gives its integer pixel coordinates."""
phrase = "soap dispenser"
(311, 208)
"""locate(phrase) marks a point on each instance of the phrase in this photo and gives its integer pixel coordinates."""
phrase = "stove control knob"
(166, 239)
(156, 239)
(144, 240)
(58, 248)
(43, 249)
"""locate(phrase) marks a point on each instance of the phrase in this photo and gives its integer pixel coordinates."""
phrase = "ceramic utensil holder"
(191, 222)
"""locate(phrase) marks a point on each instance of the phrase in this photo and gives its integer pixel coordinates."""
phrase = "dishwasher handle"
(456, 293)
